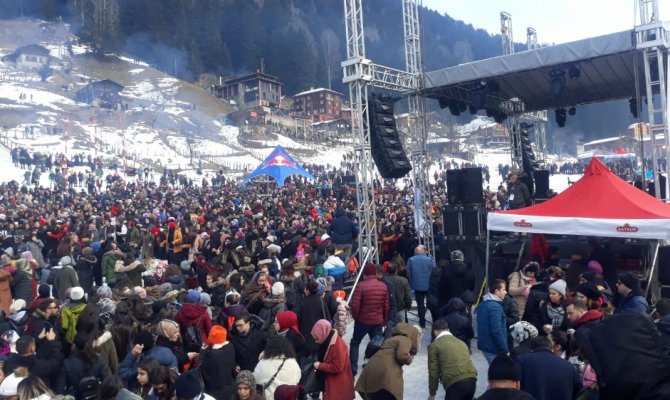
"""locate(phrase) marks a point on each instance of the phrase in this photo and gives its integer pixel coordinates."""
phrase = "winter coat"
(289, 374)
(107, 266)
(65, 278)
(177, 348)
(460, 324)
(196, 315)
(342, 229)
(226, 317)
(22, 286)
(634, 301)
(547, 376)
(134, 272)
(457, 277)
(582, 331)
(35, 248)
(68, 319)
(105, 347)
(85, 273)
(518, 290)
(630, 358)
(336, 366)
(491, 326)
(545, 319)
(419, 267)
(75, 369)
(45, 364)
(248, 347)
(217, 366)
(370, 302)
(176, 245)
(384, 370)
(403, 294)
(663, 326)
(342, 318)
(271, 306)
(511, 311)
(309, 310)
(434, 289)
(538, 295)
(448, 361)
(505, 394)
(521, 195)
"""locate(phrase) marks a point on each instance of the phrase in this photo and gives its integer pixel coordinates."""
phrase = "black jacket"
(310, 309)
(76, 369)
(85, 273)
(538, 294)
(460, 325)
(663, 326)
(248, 347)
(342, 230)
(217, 367)
(630, 358)
(547, 376)
(45, 364)
(457, 277)
(177, 349)
(505, 394)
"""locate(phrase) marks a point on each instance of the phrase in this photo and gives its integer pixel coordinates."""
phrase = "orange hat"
(217, 335)
(339, 295)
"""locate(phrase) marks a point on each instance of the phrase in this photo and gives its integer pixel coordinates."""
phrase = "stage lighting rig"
(574, 72)
(557, 79)
(572, 111)
(560, 117)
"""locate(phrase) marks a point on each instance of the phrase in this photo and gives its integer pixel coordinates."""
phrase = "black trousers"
(461, 390)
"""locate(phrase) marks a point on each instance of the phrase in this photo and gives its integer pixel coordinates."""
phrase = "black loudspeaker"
(452, 222)
(541, 183)
(471, 186)
(454, 186)
(662, 181)
(473, 221)
(528, 181)
(385, 143)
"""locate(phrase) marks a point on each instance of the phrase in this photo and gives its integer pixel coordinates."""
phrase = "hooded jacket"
(68, 319)
(635, 302)
(342, 230)
(370, 302)
(65, 278)
(196, 315)
(457, 277)
(85, 266)
(460, 324)
(491, 326)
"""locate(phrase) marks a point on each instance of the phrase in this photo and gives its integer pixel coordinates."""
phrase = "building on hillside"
(319, 104)
(251, 90)
(32, 57)
(611, 145)
(104, 94)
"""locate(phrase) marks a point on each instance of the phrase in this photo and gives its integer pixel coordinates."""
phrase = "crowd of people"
(149, 290)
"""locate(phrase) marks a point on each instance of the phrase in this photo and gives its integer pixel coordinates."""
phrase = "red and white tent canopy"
(599, 204)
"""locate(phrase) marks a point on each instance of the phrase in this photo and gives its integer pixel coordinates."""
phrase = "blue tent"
(279, 165)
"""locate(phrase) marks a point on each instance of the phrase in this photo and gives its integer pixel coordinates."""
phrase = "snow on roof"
(317, 90)
(475, 125)
(605, 140)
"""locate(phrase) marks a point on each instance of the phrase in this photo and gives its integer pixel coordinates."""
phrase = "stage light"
(461, 106)
(473, 110)
(572, 111)
(443, 102)
(499, 117)
(493, 87)
(574, 72)
(560, 117)
(453, 108)
(557, 86)
(478, 99)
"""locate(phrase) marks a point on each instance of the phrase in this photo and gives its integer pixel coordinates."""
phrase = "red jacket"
(370, 302)
(339, 380)
(194, 314)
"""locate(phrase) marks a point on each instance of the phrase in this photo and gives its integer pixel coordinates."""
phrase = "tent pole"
(488, 256)
(653, 276)
(521, 250)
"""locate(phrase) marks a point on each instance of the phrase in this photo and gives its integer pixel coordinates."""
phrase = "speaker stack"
(385, 143)
(465, 215)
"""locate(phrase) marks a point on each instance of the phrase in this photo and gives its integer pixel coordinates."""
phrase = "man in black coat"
(457, 277)
(43, 362)
(546, 376)
(342, 230)
(249, 341)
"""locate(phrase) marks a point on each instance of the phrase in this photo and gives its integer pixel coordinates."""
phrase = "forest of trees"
(300, 41)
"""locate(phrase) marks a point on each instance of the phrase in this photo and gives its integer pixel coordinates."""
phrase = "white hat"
(10, 386)
(277, 289)
(325, 236)
(17, 305)
(76, 293)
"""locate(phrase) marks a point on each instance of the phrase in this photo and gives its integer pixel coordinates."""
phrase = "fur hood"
(120, 267)
(102, 339)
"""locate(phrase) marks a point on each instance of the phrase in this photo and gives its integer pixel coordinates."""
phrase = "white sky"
(555, 21)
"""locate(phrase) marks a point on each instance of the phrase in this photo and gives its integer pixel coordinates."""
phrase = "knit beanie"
(595, 266)
(320, 290)
(193, 297)
(559, 286)
(105, 292)
(246, 378)
(205, 299)
(67, 260)
(457, 255)
(77, 293)
(277, 289)
(630, 281)
(589, 290)
(87, 252)
(504, 368)
(188, 385)
(217, 335)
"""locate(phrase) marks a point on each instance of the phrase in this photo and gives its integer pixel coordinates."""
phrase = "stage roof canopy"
(605, 65)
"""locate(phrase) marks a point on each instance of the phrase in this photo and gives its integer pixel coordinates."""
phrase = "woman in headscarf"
(333, 362)
(286, 324)
(246, 387)
(382, 377)
(255, 292)
(169, 336)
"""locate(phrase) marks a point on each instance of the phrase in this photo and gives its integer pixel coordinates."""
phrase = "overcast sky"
(555, 21)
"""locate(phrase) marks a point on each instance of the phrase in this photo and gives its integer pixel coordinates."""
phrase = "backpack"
(192, 339)
(87, 389)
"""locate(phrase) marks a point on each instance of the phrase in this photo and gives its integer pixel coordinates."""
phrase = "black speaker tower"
(385, 143)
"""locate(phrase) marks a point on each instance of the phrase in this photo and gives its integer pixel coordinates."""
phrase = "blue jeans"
(489, 356)
(360, 330)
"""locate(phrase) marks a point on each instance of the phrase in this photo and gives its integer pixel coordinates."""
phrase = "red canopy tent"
(598, 204)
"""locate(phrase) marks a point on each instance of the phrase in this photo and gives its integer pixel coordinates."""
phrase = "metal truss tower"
(653, 42)
(359, 73)
(538, 118)
(417, 133)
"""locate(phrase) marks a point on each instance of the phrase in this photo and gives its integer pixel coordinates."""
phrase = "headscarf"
(246, 378)
(288, 319)
(321, 330)
(167, 328)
